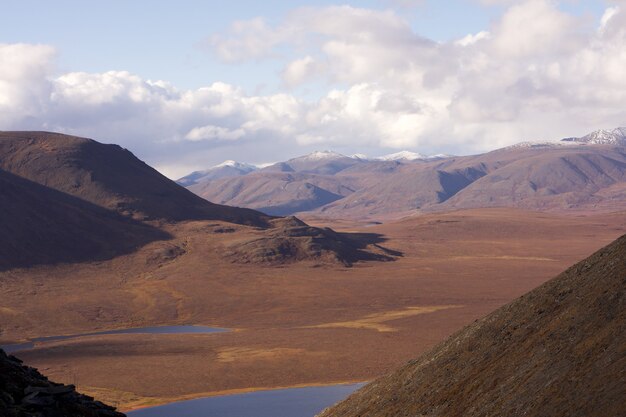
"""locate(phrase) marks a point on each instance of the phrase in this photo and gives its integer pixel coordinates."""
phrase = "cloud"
(24, 70)
(301, 70)
(535, 73)
(211, 132)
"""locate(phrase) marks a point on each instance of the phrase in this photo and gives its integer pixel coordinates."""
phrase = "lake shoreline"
(159, 401)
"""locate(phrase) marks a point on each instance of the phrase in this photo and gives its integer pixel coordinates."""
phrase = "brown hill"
(24, 392)
(108, 176)
(40, 225)
(554, 178)
(559, 350)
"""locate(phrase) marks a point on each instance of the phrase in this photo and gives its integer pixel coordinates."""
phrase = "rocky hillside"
(24, 392)
(559, 350)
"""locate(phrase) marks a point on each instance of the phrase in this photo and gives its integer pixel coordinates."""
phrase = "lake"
(290, 402)
(135, 330)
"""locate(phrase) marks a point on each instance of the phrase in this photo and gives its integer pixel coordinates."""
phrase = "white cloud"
(24, 71)
(211, 132)
(471, 39)
(300, 70)
(536, 72)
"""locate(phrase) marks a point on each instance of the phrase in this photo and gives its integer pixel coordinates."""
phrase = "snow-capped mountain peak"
(402, 155)
(360, 156)
(321, 155)
(235, 164)
(615, 136)
(227, 168)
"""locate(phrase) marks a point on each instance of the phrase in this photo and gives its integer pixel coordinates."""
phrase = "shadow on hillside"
(42, 226)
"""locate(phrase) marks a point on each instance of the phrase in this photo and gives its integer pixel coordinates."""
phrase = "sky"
(188, 84)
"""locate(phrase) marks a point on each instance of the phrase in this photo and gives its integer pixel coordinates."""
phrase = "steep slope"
(559, 350)
(108, 176)
(24, 392)
(40, 225)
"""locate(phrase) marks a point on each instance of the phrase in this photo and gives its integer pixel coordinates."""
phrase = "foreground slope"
(24, 392)
(558, 350)
(109, 176)
(40, 225)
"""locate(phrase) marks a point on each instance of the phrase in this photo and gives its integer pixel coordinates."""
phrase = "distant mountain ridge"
(574, 173)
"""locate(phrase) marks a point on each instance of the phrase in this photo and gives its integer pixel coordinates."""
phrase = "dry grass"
(377, 321)
(232, 354)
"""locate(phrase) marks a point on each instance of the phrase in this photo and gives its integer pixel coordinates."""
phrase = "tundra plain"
(292, 323)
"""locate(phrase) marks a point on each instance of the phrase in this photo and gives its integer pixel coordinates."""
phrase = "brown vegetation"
(474, 260)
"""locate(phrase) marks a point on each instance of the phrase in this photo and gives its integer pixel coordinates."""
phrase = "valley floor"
(293, 324)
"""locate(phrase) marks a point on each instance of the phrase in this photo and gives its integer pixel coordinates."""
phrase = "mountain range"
(586, 173)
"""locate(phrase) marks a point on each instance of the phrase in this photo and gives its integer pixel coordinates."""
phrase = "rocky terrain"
(558, 350)
(24, 392)
(586, 173)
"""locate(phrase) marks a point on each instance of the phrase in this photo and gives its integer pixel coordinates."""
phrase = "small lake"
(136, 330)
(290, 402)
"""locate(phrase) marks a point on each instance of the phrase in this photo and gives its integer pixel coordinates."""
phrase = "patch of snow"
(616, 136)
(234, 164)
(402, 155)
(320, 155)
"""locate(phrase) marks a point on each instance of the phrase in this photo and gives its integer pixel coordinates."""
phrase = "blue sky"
(260, 81)
(163, 39)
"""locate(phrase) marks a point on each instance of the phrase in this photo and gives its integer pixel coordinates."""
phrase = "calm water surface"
(292, 402)
(145, 330)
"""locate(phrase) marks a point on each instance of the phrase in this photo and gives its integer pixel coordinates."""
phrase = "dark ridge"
(111, 177)
(559, 350)
(24, 392)
(40, 225)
